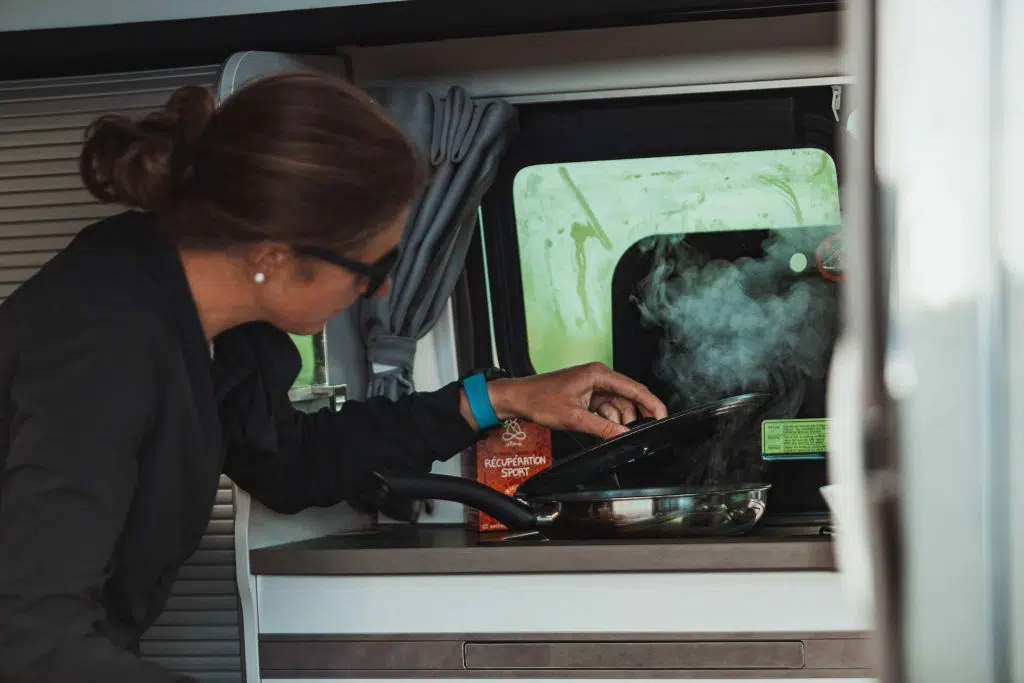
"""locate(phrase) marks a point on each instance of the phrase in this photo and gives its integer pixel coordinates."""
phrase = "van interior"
(668, 187)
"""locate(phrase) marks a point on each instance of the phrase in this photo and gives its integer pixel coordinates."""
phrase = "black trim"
(465, 330)
(160, 44)
(472, 311)
(631, 128)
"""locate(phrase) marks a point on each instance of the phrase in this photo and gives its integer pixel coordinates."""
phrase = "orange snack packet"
(504, 459)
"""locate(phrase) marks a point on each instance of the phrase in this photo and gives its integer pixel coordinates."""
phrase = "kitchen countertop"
(443, 549)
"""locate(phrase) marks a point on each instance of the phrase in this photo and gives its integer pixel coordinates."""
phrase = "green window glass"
(305, 347)
(574, 221)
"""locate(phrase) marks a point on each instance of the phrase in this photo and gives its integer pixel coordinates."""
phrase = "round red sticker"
(830, 258)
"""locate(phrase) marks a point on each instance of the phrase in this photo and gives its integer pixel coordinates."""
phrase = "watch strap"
(479, 401)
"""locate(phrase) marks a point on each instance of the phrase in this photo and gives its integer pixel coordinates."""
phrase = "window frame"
(624, 128)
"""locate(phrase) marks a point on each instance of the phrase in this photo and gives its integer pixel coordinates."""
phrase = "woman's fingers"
(581, 420)
(609, 411)
(614, 408)
(590, 399)
(605, 380)
(627, 409)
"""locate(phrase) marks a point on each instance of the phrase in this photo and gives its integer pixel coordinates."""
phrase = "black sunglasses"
(375, 273)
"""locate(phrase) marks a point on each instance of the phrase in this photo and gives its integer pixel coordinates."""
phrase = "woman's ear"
(267, 260)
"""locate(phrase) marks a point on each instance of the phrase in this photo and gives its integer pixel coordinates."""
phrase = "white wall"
(21, 15)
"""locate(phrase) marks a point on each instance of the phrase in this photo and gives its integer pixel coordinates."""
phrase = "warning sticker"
(794, 437)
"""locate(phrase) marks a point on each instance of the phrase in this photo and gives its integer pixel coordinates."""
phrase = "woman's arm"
(82, 401)
(325, 458)
(290, 460)
(328, 457)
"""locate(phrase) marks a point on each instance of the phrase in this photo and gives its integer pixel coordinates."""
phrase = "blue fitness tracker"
(479, 401)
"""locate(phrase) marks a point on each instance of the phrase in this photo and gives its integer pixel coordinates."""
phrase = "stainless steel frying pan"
(558, 503)
(636, 513)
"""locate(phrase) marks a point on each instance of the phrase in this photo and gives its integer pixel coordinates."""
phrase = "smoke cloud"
(733, 327)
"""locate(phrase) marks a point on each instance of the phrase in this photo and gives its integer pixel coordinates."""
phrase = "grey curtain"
(464, 140)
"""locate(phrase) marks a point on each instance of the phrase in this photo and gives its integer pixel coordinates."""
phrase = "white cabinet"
(735, 626)
(724, 602)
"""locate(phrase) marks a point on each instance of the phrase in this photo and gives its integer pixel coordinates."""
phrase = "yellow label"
(794, 437)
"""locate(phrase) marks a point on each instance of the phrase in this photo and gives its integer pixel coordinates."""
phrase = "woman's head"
(300, 179)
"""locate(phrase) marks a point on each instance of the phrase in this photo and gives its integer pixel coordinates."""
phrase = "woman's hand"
(588, 398)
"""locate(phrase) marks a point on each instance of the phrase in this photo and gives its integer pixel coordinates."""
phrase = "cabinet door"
(946, 422)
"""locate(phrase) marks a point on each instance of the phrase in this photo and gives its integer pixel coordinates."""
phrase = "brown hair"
(302, 158)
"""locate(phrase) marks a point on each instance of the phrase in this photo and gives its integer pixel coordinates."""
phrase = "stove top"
(777, 527)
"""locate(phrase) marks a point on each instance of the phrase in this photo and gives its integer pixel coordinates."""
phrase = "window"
(584, 181)
(575, 221)
(306, 374)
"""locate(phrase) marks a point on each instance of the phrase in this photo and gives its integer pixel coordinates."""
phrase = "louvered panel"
(16, 275)
(184, 634)
(26, 155)
(42, 206)
(213, 676)
(203, 573)
(217, 542)
(159, 648)
(33, 214)
(200, 603)
(77, 121)
(90, 106)
(207, 663)
(120, 84)
(43, 229)
(212, 557)
(40, 183)
(66, 136)
(190, 586)
(32, 169)
(27, 245)
(21, 200)
(207, 617)
(201, 606)
(221, 526)
(110, 92)
(22, 258)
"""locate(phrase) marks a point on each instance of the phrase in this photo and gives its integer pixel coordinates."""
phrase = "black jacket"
(114, 429)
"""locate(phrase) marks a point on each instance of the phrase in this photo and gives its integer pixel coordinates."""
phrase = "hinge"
(837, 100)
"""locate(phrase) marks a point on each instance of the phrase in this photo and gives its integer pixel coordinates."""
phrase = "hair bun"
(144, 163)
(189, 110)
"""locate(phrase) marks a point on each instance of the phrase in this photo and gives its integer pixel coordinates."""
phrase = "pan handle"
(512, 512)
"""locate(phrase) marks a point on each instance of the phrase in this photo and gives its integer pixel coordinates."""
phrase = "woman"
(151, 355)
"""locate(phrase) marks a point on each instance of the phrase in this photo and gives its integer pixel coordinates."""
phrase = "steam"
(737, 327)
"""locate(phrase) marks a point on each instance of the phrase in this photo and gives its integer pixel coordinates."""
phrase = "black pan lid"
(645, 438)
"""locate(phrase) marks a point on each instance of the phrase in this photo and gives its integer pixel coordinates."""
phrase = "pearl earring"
(260, 278)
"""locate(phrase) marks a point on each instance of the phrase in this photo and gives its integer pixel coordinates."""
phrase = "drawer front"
(636, 656)
(592, 656)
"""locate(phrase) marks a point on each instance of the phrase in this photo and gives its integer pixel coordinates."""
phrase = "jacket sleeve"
(83, 401)
(328, 457)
